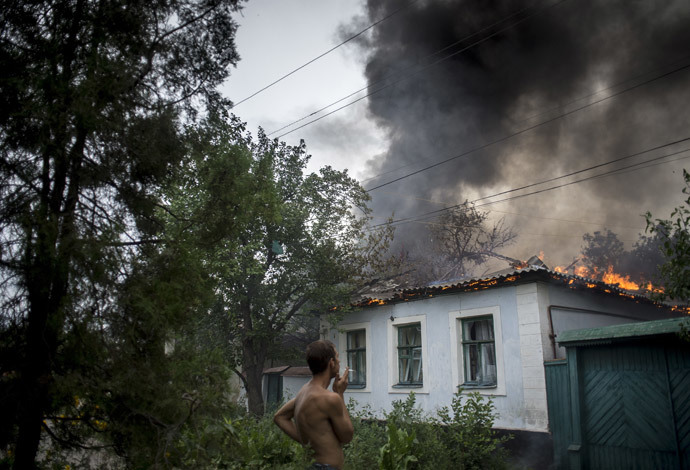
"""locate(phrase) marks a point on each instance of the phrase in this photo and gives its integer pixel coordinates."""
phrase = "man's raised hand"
(340, 383)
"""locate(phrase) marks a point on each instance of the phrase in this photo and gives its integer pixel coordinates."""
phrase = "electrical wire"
(608, 173)
(522, 131)
(565, 105)
(422, 69)
(519, 214)
(325, 53)
(390, 75)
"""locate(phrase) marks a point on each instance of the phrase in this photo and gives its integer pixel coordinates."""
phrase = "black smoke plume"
(525, 63)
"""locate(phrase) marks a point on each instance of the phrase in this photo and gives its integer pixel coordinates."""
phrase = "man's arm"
(283, 418)
(340, 418)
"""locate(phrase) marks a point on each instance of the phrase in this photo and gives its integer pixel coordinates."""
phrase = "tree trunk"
(47, 288)
(253, 366)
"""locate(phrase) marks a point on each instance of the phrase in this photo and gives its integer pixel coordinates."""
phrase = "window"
(274, 388)
(479, 351)
(356, 354)
(354, 347)
(410, 355)
(407, 358)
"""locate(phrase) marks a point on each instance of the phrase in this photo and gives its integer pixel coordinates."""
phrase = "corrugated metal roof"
(289, 371)
(495, 279)
(276, 370)
(295, 371)
(629, 330)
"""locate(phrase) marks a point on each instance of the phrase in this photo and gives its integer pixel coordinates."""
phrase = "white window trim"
(457, 359)
(393, 355)
(342, 352)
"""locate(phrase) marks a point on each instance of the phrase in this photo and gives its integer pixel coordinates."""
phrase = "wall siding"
(532, 358)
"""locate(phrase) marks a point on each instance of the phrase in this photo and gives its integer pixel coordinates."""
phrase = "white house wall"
(438, 384)
(596, 310)
(292, 385)
(533, 330)
(525, 337)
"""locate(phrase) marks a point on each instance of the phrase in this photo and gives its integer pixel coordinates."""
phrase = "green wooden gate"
(622, 398)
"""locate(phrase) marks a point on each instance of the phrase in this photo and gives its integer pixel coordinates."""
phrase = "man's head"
(319, 356)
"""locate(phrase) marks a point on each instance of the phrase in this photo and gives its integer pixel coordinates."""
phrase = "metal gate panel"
(679, 379)
(627, 408)
(558, 401)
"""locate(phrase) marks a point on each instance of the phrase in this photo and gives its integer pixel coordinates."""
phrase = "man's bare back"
(321, 420)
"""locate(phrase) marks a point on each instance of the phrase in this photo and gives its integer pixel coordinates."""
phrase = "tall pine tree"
(92, 94)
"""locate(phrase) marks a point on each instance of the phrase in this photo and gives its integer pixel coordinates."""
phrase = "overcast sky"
(530, 66)
(277, 36)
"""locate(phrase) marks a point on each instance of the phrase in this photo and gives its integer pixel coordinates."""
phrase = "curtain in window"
(356, 356)
(410, 354)
(480, 351)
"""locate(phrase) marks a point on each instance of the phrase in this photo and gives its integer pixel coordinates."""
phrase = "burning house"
(489, 334)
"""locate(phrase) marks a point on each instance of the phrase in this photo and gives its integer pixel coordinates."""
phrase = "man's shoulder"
(320, 395)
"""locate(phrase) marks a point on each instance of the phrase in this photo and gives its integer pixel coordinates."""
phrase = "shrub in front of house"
(458, 437)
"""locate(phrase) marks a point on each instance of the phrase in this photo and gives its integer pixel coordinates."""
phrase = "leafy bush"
(369, 437)
(468, 436)
(458, 437)
(240, 442)
(405, 415)
(397, 453)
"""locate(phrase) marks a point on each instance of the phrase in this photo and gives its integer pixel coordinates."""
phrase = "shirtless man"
(321, 420)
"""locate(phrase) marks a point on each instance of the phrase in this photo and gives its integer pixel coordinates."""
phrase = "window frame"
(466, 343)
(343, 330)
(410, 356)
(455, 322)
(394, 385)
(357, 352)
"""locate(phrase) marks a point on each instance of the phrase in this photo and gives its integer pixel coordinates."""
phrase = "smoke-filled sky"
(497, 76)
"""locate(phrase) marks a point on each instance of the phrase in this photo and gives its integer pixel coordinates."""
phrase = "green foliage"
(368, 438)
(460, 437)
(675, 236)
(237, 442)
(92, 97)
(468, 435)
(277, 242)
(601, 250)
(397, 452)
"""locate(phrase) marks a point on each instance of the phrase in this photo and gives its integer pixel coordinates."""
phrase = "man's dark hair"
(319, 354)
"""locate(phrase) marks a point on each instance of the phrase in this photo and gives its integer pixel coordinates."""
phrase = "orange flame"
(610, 277)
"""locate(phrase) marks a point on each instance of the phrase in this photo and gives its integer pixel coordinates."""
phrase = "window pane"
(362, 367)
(352, 360)
(356, 339)
(410, 354)
(410, 335)
(471, 362)
(403, 370)
(417, 365)
(488, 373)
(478, 330)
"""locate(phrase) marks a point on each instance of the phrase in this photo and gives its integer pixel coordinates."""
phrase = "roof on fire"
(497, 279)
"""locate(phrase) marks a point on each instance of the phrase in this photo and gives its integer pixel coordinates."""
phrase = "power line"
(550, 110)
(532, 216)
(601, 175)
(325, 53)
(390, 75)
(617, 170)
(522, 131)
(420, 70)
(585, 169)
